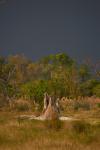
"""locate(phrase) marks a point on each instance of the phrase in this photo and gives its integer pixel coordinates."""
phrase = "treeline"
(56, 74)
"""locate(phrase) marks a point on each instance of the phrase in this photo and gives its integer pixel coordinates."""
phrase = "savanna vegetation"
(57, 74)
(22, 85)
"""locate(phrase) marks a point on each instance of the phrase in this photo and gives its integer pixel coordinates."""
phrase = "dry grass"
(87, 107)
(35, 135)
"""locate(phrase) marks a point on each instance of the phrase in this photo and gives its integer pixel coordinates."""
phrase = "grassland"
(26, 134)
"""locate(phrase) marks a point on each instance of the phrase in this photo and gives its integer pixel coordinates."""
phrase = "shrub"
(34, 90)
(84, 106)
(96, 90)
(90, 87)
(22, 105)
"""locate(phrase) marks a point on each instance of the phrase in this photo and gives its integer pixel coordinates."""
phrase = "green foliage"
(27, 90)
(34, 90)
(84, 72)
(39, 88)
(56, 87)
(63, 59)
(58, 59)
(87, 87)
(56, 74)
(11, 91)
(96, 90)
(98, 105)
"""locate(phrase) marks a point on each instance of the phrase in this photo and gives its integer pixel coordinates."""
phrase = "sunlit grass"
(40, 135)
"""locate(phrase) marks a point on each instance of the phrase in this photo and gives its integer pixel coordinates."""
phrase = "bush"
(90, 87)
(34, 90)
(22, 105)
(96, 90)
(84, 106)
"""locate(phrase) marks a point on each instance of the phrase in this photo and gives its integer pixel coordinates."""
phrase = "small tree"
(34, 90)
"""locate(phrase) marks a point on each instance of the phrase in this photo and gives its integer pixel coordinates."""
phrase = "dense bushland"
(60, 75)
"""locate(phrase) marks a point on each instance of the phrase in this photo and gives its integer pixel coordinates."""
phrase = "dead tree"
(50, 110)
(46, 101)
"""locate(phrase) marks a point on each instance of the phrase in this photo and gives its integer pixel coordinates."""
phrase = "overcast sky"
(40, 27)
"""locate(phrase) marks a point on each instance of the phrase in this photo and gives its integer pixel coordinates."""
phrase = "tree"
(20, 63)
(88, 86)
(84, 72)
(34, 90)
(6, 74)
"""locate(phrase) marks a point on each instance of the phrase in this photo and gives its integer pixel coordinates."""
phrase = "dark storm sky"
(41, 27)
